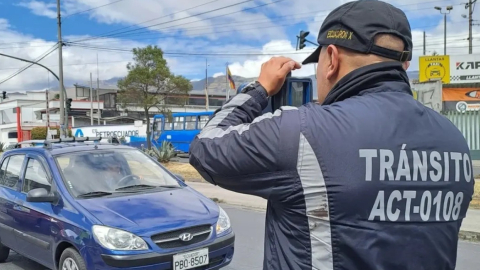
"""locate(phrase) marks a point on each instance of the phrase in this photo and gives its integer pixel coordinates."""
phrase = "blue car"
(91, 206)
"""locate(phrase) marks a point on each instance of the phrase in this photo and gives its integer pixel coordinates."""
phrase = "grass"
(475, 203)
(184, 169)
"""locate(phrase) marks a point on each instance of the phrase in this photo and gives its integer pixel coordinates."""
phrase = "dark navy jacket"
(371, 179)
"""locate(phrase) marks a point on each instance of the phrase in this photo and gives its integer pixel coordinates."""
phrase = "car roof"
(70, 147)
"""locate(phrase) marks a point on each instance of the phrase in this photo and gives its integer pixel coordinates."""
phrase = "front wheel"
(4, 252)
(71, 260)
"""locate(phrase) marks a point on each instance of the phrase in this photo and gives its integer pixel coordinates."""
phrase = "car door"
(39, 227)
(10, 171)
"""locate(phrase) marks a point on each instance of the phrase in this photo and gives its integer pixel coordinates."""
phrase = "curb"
(469, 236)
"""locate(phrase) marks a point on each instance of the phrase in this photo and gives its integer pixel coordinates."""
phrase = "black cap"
(354, 26)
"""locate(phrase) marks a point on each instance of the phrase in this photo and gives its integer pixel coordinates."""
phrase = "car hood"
(153, 212)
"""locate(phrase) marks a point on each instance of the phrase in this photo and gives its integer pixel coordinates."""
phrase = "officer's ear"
(333, 62)
(406, 65)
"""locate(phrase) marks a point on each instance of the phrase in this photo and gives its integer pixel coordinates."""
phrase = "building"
(20, 112)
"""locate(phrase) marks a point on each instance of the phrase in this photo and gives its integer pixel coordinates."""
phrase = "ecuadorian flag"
(230, 79)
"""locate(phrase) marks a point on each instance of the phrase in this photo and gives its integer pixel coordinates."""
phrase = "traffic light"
(69, 104)
(302, 39)
(4, 95)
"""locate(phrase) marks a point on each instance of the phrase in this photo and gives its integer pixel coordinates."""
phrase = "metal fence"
(469, 124)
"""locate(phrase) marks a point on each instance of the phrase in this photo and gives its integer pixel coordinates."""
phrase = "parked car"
(106, 206)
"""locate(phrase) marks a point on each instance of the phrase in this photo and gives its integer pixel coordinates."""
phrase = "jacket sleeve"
(244, 151)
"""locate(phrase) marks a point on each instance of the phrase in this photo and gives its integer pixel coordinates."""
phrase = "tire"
(4, 252)
(70, 255)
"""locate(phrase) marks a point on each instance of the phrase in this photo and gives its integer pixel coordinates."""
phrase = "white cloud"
(218, 74)
(213, 20)
(225, 35)
(40, 8)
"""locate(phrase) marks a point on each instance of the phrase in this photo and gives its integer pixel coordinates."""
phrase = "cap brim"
(312, 58)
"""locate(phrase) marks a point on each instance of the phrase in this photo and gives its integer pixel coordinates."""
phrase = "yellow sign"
(436, 67)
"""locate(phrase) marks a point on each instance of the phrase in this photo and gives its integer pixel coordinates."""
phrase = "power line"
(29, 65)
(122, 34)
(179, 19)
(161, 17)
(90, 9)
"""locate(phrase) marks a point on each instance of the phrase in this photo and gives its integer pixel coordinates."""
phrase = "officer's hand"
(273, 73)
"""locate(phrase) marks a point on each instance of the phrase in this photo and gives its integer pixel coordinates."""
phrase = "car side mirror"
(42, 195)
(180, 177)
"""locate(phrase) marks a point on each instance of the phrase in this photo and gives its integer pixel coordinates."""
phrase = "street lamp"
(448, 8)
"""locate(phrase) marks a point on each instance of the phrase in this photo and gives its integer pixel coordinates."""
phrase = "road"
(249, 228)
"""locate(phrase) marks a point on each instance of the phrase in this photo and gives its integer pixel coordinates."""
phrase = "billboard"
(461, 99)
(429, 94)
(465, 68)
(450, 69)
(433, 68)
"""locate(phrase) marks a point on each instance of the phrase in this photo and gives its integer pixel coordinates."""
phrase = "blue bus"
(181, 131)
(186, 125)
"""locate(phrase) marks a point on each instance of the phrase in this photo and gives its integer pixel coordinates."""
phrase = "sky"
(197, 37)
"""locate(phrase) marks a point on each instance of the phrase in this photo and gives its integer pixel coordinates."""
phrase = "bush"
(162, 154)
(2, 147)
(40, 133)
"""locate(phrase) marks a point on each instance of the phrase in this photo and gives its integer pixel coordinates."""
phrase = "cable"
(202, 13)
(29, 65)
(90, 9)
(161, 17)
(98, 37)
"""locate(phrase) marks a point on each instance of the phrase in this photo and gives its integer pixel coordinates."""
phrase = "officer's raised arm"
(244, 151)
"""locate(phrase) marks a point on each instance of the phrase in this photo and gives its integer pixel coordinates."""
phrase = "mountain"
(218, 84)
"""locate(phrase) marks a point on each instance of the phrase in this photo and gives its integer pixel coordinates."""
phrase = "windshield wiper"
(135, 186)
(94, 194)
(144, 186)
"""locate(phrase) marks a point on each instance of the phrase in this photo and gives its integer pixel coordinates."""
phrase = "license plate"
(190, 259)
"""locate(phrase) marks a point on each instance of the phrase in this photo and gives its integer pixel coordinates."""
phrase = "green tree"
(150, 82)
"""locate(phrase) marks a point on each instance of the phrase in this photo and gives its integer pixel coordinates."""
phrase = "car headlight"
(223, 222)
(115, 239)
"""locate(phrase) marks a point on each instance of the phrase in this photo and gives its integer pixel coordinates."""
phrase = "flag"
(230, 79)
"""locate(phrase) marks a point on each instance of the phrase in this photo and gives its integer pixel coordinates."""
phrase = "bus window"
(202, 120)
(168, 124)
(157, 125)
(178, 123)
(190, 123)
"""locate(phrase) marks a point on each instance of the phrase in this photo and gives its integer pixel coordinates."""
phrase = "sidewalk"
(471, 223)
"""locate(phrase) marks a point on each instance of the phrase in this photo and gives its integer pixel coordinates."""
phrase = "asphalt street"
(249, 229)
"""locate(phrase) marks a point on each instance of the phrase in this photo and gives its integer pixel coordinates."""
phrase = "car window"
(3, 170)
(12, 172)
(35, 176)
(109, 170)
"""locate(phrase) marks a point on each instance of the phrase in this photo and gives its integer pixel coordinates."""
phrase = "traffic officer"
(367, 179)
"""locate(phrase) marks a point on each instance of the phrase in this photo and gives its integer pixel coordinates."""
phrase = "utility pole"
(91, 100)
(470, 24)
(424, 43)
(48, 115)
(63, 113)
(98, 95)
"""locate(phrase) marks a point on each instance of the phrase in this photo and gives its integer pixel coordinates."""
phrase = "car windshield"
(104, 172)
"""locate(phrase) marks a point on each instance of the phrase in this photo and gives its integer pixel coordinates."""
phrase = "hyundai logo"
(185, 237)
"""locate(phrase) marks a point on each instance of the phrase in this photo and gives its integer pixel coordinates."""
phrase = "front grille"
(172, 239)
